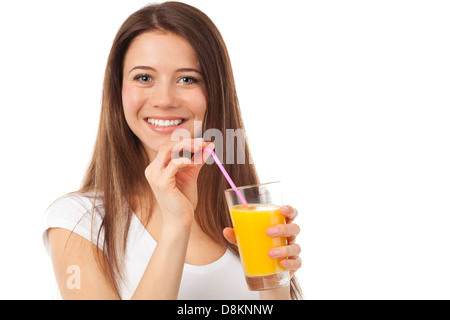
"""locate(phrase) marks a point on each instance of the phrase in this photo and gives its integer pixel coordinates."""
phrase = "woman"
(145, 224)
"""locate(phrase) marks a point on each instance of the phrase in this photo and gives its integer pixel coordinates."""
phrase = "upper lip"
(165, 117)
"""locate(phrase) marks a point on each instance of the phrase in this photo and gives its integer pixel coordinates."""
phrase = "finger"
(187, 147)
(291, 264)
(283, 230)
(285, 251)
(202, 155)
(174, 166)
(229, 235)
(180, 164)
(289, 212)
(171, 150)
(290, 240)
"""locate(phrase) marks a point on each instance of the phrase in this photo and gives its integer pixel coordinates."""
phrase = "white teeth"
(164, 123)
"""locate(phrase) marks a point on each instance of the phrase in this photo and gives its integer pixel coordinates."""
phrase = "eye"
(188, 80)
(144, 78)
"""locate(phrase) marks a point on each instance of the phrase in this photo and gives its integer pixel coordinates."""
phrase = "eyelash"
(139, 78)
(191, 79)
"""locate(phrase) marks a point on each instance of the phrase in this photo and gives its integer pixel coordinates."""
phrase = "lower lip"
(164, 129)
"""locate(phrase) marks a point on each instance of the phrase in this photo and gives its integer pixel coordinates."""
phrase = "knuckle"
(149, 173)
(178, 162)
(282, 229)
(172, 163)
(158, 184)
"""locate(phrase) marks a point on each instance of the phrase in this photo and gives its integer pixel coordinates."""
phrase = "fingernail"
(272, 230)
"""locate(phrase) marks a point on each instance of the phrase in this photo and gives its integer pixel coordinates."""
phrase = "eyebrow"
(143, 68)
(178, 70)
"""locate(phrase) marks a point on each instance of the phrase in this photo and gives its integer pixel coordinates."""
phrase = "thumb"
(229, 234)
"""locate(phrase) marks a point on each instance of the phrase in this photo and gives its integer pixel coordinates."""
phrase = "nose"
(163, 96)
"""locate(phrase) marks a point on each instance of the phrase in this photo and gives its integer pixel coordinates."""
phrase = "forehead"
(161, 49)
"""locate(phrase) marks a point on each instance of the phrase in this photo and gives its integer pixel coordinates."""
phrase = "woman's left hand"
(289, 253)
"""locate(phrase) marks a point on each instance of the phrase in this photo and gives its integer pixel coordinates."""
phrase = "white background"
(347, 102)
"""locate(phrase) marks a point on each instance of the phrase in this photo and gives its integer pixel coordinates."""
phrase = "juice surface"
(250, 225)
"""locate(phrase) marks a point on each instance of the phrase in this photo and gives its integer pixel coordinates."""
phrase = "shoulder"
(80, 208)
(81, 213)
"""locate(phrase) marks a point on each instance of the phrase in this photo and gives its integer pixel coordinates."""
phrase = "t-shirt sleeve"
(75, 213)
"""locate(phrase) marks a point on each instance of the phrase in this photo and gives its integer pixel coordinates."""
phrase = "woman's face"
(163, 88)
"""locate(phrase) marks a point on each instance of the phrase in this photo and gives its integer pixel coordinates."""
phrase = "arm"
(174, 185)
(76, 269)
(162, 277)
(80, 277)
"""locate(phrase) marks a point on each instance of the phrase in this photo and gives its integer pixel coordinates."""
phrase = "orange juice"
(250, 224)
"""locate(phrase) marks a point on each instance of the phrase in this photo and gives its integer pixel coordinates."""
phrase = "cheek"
(199, 105)
(198, 109)
(131, 100)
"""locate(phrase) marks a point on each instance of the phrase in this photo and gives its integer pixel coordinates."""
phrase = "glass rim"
(252, 186)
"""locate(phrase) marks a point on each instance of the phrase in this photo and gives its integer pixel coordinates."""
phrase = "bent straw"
(227, 176)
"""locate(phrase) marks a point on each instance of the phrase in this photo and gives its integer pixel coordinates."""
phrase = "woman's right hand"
(174, 181)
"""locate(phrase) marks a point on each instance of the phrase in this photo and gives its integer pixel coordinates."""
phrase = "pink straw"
(227, 176)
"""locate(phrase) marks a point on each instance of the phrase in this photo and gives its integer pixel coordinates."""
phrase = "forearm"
(161, 279)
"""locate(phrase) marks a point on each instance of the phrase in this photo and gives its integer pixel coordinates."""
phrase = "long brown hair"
(116, 172)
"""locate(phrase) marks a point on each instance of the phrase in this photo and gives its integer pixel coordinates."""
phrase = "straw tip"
(209, 148)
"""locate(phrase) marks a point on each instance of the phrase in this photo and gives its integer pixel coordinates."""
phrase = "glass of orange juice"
(250, 222)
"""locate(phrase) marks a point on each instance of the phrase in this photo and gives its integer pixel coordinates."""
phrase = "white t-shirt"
(220, 280)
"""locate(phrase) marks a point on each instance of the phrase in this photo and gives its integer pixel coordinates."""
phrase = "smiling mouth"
(165, 123)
